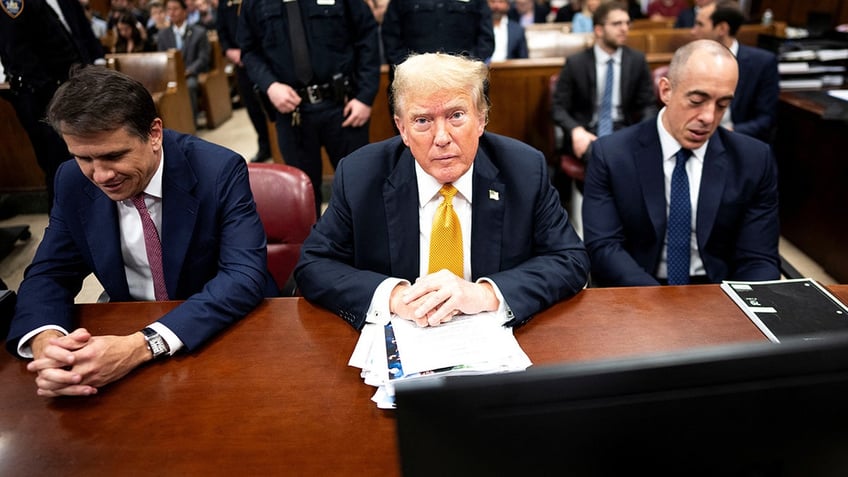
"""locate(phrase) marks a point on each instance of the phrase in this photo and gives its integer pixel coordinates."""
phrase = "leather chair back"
(286, 206)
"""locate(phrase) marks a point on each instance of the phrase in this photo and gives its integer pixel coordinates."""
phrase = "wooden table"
(273, 395)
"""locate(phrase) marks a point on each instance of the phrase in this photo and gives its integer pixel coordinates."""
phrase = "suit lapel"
(591, 76)
(487, 216)
(400, 196)
(179, 212)
(649, 169)
(99, 220)
(713, 180)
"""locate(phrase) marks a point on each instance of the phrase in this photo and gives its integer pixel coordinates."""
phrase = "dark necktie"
(299, 46)
(605, 117)
(679, 223)
(153, 247)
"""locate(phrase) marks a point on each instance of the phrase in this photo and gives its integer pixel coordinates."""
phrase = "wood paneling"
(17, 158)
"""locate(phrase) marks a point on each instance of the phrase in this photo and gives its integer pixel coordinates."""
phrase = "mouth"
(112, 186)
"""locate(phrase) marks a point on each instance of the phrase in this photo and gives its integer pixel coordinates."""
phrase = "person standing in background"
(318, 63)
(228, 13)
(510, 42)
(39, 43)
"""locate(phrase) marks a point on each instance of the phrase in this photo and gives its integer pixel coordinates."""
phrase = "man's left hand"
(356, 114)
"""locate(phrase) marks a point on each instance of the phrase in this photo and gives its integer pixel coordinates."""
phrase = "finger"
(76, 390)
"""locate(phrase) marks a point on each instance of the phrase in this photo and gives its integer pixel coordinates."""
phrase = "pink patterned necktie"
(153, 247)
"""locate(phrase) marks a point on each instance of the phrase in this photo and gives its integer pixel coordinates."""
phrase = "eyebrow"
(107, 155)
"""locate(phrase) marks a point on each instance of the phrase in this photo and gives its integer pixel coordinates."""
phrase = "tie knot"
(683, 155)
(138, 201)
(610, 61)
(448, 191)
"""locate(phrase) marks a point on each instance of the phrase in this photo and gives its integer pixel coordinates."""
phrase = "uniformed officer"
(38, 46)
(462, 27)
(228, 13)
(323, 99)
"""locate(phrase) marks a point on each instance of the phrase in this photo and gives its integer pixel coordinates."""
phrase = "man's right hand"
(53, 361)
(581, 139)
(283, 97)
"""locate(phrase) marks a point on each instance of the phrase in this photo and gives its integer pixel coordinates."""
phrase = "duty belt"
(317, 93)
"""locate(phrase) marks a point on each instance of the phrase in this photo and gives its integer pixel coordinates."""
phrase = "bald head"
(698, 90)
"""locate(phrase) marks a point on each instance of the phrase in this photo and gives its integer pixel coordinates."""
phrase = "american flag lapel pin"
(493, 195)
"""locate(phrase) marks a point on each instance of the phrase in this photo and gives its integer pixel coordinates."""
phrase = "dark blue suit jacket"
(213, 245)
(624, 208)
(516, 42)
(521, 237)
(686, 18)
(754, 106)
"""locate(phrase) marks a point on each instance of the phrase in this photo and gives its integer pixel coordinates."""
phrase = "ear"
(401, 126)
(665, 90)
(155, 134)
(722, 29)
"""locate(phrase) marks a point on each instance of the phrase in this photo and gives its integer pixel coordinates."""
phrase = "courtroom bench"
(163, 74)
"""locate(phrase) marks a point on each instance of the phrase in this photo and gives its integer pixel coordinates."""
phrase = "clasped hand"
(438, 297)
(79, 363)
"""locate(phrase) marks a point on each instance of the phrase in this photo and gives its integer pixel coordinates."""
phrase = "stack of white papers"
(468, 344)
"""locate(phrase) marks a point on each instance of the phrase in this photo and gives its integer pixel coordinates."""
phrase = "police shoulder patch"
(13, 8)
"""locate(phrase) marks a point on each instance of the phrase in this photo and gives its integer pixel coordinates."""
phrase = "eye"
(723, 104)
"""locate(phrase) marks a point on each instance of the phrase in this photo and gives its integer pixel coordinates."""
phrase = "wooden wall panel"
(20, 170)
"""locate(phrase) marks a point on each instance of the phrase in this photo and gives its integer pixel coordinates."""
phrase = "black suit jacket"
(686, 18)
(575, 96)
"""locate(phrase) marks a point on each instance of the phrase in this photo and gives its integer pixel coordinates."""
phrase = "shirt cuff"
(174, 343)
(379, 310)
(503, 310)
(25, 345)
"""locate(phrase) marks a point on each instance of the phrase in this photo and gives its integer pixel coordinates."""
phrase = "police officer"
(323, 99)
(228, 13)
(462, 27)
(429, 26)
(38, 46)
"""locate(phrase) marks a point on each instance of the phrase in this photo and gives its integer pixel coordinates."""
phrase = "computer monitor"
(751, 409)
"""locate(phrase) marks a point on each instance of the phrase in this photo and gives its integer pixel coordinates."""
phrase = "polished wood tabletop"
(273, 394)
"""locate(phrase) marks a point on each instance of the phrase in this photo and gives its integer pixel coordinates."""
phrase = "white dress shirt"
(501, 40)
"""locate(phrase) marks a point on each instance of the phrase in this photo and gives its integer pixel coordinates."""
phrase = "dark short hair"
(181, 2)
(604, 9)
(96, 99)
(729, 12)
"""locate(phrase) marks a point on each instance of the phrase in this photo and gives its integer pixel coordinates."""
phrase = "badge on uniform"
(13, 8)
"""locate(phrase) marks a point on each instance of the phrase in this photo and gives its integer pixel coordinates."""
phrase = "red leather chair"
(286, 206)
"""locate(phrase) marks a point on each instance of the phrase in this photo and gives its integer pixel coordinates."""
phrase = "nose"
(102, 173)
(442, 137)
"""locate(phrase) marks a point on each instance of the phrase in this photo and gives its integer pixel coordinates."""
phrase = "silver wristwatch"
(155, 343)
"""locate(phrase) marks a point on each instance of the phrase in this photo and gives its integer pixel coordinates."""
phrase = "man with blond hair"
(379, 248)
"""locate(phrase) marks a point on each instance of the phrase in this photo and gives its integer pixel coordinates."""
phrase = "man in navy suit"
(754, 108)
(135, 184)
(686, 18)
(579, 89)
(369, 254)
(510, 42)
(732, 182)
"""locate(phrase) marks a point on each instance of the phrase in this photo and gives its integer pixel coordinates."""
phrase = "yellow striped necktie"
(446, 238)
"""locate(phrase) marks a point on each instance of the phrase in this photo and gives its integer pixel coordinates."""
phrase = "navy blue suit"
(516, 42)
(521, 237)
(754, 106)
(213, 246)
(624, 208)
(686, 18)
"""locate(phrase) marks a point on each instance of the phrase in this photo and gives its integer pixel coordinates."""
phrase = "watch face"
(157, 346)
